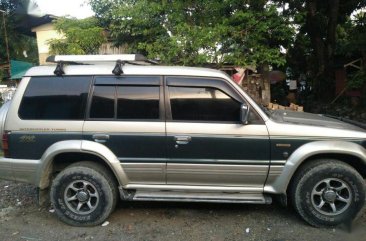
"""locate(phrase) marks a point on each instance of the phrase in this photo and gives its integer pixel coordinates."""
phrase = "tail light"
(5, 142)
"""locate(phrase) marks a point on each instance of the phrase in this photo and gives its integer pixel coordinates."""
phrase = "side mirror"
(244, 114)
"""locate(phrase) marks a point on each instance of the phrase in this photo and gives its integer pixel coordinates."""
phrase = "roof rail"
(89, 59)
(119, 59)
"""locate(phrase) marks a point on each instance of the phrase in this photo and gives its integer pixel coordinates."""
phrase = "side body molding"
(279, 185)
(78, 146)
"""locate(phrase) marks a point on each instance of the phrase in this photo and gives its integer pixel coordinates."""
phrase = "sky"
(75, 8)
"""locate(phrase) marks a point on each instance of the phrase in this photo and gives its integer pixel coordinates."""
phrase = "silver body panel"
(217, 175)
(181, 196)
(145, 173)
(195, 188)
(300, 131)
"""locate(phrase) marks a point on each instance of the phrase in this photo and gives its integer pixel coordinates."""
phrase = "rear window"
(125, 102)
(55, 98)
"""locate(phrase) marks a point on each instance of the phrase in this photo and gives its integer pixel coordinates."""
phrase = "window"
(55, 98)
(203, 104)
(133, 102)
(138, 102)
(102, 105)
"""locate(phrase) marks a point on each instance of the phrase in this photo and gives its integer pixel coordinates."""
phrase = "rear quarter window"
(55, 98)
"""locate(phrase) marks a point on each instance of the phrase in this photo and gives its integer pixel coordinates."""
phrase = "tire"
(326, 193)
(91, 190)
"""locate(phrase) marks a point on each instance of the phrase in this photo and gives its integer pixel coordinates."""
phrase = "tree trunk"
(314, 32)
(323, 42)
(315, 35)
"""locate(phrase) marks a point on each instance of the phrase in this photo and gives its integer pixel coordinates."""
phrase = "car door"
(126, 114)
(206, 143)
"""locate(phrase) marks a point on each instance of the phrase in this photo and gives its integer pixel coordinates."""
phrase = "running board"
(174, 196)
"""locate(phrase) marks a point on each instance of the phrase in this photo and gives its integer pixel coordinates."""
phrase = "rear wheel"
(328, 193)
(84, 194)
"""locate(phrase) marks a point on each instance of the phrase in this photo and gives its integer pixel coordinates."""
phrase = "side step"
(179, 196)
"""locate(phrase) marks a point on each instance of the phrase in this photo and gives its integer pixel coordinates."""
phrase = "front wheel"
(328, 193)
(84, 194)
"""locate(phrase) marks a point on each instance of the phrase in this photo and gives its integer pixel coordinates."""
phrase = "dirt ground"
(22, 219)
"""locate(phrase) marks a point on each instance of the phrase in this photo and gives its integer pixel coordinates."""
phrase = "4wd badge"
(27, 139)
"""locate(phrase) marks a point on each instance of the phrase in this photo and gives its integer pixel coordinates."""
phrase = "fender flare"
(280, 184)
(77, 146)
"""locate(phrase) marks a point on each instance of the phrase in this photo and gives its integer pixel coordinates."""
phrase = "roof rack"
(120, 60)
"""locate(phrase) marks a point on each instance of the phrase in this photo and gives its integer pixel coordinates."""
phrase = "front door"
(206, 143)
(126, 115)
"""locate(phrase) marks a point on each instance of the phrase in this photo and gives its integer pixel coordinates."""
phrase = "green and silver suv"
(111, 127)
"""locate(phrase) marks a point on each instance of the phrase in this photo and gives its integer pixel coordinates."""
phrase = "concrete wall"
(46, 32)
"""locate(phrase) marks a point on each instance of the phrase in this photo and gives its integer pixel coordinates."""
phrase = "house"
(46, 31)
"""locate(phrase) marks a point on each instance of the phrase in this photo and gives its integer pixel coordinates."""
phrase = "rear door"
(126, 114)
(206, 143)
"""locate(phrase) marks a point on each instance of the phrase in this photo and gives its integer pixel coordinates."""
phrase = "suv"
(105, 128)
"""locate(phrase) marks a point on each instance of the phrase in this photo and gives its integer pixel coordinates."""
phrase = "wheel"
(84, 194)
(327, 193)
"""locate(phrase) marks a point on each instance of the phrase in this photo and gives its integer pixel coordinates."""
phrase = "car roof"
(106, 69)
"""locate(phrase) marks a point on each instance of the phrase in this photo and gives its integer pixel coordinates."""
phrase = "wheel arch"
(347, 152)
(61, 154)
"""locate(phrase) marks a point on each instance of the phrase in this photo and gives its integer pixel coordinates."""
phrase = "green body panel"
(215, 148)
(32, 145)
(126, 146)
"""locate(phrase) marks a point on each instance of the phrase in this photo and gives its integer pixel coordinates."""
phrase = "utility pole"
(6, 40)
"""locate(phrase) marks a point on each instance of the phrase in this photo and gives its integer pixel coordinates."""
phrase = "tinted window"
(133, 102)
(138, 102)
(202, 104)
(55, 98)
(103, 101)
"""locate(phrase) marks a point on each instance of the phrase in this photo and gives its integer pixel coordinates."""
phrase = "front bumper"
(20, 170)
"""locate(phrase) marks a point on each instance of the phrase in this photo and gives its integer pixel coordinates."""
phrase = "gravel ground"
(22, 219)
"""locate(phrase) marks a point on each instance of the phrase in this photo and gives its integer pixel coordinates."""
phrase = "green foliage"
(198, 32)
(326, 38)
(352, 45)
(18, 43)
(2, 75)
(81, 36)
(357, 80)
(352, 36)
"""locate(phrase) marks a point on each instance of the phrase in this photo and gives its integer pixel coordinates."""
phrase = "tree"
(352, 45)
(317, 38)
(21, 47)
(198, 32)
(80, 36)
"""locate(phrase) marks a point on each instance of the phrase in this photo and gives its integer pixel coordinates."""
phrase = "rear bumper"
(21, 170)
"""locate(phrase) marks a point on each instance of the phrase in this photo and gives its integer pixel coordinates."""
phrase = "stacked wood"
(293, 107)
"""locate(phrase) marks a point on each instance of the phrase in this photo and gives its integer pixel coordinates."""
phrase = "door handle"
(101, 138)
(182, 140)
